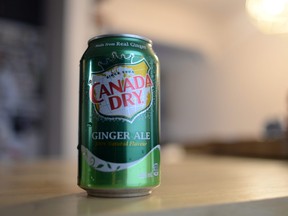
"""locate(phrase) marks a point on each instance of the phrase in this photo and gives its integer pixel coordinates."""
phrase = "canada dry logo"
(121, 90)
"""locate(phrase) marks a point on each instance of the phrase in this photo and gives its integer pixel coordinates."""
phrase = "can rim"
(120, 35)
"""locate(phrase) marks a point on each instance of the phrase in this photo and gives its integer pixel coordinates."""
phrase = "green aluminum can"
(119, 128)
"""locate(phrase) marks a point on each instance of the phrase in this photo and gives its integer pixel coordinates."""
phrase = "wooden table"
(194, 185)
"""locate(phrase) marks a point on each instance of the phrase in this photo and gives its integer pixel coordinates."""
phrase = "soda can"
(119, 128)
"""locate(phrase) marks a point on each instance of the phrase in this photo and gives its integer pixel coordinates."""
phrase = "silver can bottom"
(119, 193)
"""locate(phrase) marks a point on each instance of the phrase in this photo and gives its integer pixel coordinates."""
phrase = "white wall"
(227, 97)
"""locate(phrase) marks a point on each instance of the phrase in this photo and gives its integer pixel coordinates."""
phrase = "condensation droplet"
(89, 124)
(91, 177)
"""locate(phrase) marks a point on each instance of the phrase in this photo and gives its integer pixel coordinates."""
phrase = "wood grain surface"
(49, 187)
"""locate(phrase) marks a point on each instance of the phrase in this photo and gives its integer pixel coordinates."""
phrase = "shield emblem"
(123, 91)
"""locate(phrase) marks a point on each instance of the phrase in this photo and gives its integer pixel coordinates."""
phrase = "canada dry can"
(119, 151)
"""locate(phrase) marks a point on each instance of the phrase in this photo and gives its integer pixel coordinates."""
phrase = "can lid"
(120, 35)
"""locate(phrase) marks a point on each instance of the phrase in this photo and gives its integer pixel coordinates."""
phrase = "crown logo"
(115, 60)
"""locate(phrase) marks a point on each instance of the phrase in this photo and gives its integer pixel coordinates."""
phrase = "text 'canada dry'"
(119, 151)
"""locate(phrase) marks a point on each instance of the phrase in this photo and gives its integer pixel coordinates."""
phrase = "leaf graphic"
(109, 166)
(118, 168)
(100, 166)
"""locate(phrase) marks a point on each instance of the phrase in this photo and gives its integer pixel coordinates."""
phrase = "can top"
(120, 35)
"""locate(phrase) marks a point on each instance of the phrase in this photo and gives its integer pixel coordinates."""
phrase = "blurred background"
(224, 72)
